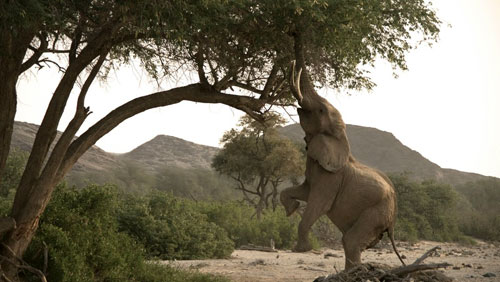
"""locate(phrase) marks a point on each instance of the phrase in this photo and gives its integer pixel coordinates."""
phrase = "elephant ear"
(330, 152)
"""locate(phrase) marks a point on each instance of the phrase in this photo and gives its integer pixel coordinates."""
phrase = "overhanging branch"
(193, 92)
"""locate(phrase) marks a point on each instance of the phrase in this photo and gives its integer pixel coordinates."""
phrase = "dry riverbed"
(469, 263)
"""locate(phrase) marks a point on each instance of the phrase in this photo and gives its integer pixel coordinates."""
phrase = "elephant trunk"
(302, 87)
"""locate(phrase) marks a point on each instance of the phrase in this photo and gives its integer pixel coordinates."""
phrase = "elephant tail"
(390, 232)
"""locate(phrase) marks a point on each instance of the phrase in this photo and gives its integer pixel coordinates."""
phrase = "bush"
(173, 228)
(80, 231)
(426, 210)
(243, 227)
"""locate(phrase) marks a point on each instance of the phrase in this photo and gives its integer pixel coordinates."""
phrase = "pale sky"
(446, 107)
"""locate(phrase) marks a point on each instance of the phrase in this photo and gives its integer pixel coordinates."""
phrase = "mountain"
(95, 159)
(382, 150)
(164, 150)
(371, 146)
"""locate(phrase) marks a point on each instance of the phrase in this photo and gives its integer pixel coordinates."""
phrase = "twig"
(424, 256)
(45, 257)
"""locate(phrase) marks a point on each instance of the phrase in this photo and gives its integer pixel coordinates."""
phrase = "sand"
(469, 263)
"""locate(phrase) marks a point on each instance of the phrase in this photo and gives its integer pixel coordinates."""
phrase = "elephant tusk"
(295, 85)
(299, 94)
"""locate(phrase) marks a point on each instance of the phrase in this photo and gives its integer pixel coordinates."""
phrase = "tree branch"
(245, 87)
(193, 92)
(59, 151)
(200, 61)
(270, 82)
(37, 53)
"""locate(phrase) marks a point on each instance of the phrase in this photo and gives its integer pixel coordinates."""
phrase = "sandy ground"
(469, 263)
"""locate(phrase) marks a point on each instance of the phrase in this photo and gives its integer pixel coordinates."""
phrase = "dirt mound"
(381, 272)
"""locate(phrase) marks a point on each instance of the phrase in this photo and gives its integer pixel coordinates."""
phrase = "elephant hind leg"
(363, 234)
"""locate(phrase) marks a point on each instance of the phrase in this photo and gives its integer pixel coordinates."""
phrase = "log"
(258, 248)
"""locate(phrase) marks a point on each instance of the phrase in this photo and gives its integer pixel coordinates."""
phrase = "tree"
(259, 160)
(229, 44)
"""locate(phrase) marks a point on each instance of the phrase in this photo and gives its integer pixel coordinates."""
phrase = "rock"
(489, 275)
(332, 255)
(456, 268)
(257, 262)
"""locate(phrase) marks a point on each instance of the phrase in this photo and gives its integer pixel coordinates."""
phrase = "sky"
(446, 106)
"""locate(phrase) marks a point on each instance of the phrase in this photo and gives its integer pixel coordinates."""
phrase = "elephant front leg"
(289, 197)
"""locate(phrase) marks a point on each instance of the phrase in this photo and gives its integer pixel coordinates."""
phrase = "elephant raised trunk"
(301, 86)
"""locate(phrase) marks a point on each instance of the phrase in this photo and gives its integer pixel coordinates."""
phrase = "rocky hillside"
(166, 150)
(382, 150)
(95, 159)
(374, 147)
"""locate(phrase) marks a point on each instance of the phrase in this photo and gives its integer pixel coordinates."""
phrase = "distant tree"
(228, 44)
(259, 160)
(13, 171)
(480, 211)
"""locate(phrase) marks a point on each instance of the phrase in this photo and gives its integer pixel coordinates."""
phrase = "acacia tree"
(258, 159)
(229, 44)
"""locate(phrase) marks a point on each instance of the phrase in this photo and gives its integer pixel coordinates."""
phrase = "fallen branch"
(416, 265)
(258, 248)
(405, 270)
(424, 256)
(380, 272)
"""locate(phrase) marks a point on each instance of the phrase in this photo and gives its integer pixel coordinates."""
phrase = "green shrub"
(173, 228)
(426, 210)
(244, 228)
(80, 231)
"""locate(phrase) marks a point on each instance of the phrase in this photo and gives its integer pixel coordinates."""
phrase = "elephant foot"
(302, 247)
(290, 209)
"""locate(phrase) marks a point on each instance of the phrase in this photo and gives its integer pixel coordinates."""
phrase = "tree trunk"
(12, 52)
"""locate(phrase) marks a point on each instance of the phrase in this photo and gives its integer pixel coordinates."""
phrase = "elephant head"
(322, 123)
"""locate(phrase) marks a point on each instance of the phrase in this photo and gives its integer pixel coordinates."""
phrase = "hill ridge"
(374, 147)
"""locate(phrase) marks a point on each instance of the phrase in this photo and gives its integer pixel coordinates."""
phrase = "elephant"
(358, 199)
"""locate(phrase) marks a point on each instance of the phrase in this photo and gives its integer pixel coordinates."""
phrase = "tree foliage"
(259, 160)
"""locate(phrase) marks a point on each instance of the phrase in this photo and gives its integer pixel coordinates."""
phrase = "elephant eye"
(320, 111)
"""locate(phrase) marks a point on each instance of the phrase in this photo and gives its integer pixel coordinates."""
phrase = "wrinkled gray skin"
(358, 199)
